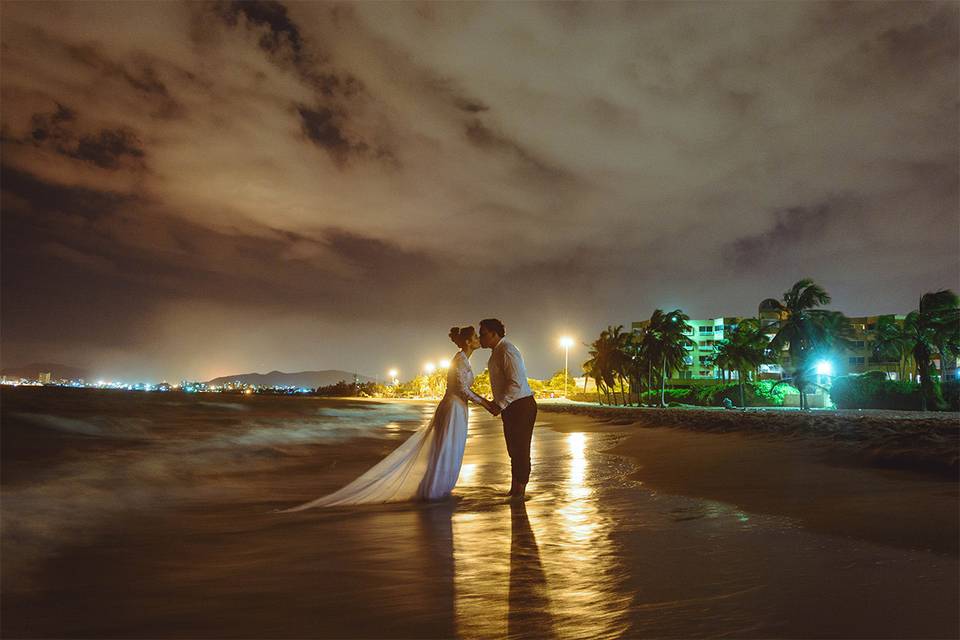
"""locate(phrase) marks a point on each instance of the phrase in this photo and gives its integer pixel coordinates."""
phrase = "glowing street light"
(429, 368)
(566, 342)
(444, 364)
(824, 368)
(393, 373)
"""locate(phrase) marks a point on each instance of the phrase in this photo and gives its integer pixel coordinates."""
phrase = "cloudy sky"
(191, 190)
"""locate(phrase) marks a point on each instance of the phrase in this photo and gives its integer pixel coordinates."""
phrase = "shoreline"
(927, 442)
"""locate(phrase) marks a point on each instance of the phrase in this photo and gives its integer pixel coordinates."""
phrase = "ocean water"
(150, 515)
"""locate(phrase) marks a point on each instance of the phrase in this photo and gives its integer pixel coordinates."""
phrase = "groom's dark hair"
(494, 325)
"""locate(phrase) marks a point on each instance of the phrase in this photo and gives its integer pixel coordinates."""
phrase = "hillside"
(310, 379)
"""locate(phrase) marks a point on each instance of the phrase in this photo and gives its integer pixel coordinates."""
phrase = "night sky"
(191, 190)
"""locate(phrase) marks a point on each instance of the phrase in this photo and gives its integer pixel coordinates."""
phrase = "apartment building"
(705, 334)
(860, 358)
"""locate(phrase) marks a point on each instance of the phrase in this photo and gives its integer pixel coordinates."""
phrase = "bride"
(427, 465)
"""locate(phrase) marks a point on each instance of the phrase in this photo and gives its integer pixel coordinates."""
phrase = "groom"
(512, 400)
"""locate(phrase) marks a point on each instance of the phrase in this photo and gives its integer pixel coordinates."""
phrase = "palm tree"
(592, 369)
(604, 361)
(648, 350)
(618, 357)
(744, 350)
(890, 342)
(806, 331)
(669, 342)
(933, 329)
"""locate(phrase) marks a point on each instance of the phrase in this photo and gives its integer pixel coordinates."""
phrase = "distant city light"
(429, 368)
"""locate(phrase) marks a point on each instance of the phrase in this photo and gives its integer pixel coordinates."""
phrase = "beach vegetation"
(807, 333)
(872, 390)
(933, 331)
(746, 348)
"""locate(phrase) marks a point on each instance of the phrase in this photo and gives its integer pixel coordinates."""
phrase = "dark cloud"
(138, 74)
(56, 199)
(380, 261)
(922, 46)
(320, 126)
(793, 227)
(485, 138)
(470, 106)
(169, 206)
(279, 31)
(107, 148)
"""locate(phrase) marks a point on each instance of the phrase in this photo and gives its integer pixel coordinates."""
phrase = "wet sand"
(926, 441)
(684, 537)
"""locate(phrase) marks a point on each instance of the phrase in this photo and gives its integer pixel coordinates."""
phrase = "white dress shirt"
(508, 375)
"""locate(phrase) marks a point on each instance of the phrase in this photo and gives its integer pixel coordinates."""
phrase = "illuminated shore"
(151, 516)
(926, 441)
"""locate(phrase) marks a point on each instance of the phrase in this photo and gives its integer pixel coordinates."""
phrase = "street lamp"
(429, 368)
(566, 342)
(393, 373)
(444, 364)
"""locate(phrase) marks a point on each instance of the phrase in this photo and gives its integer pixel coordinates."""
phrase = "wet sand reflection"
(529, 612)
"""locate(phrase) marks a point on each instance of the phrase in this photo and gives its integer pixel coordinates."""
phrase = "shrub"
(951, 394)
(763, 393)
(872, 390)
(681, 395)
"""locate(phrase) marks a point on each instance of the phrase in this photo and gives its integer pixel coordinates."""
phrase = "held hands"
(492, 407)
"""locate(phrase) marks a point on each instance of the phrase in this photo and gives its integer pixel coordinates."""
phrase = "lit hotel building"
(859, 358)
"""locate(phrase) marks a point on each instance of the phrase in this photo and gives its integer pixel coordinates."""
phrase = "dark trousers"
(518, 419)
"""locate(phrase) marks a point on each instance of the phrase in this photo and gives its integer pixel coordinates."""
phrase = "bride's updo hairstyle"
(461, 335)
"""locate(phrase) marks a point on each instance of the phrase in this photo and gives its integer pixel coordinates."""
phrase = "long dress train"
(426, 466)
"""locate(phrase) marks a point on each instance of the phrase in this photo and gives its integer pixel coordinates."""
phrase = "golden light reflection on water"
(587, 599)
(544, 568)
(467, 472)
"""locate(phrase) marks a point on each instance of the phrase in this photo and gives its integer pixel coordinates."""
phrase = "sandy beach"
(923, 441)
(158, 524)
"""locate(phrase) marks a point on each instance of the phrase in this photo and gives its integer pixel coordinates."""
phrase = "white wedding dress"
(426, 466)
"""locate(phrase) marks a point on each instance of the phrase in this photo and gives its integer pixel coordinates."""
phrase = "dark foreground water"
(148, 515)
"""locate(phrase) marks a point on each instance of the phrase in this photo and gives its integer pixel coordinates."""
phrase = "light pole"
(429, 368)
(566, 342)
(393, 376)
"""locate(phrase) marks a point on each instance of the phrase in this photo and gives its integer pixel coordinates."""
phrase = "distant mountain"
(311, 379)
(57, 371)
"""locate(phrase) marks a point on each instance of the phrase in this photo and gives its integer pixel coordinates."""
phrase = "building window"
(706, 329)
(858, 344)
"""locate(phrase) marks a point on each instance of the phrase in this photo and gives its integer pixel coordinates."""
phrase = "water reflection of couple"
(528, 602)
(426, 466)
